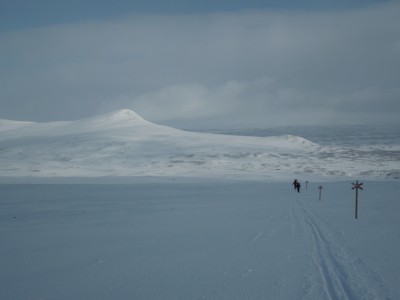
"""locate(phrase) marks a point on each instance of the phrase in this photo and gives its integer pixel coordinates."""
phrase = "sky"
(202, 64)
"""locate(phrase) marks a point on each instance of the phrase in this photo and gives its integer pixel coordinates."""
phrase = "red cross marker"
(357, 185)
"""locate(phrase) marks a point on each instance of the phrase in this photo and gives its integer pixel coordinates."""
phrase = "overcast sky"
(209, 63)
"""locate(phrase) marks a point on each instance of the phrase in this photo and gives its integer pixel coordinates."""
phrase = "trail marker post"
(320, 190)
(357, 186)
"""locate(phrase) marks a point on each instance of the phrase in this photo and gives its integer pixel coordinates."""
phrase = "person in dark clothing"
(298, 185)
(295, 184)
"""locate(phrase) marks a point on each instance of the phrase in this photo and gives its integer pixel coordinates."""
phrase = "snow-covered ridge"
(122, 143)
(116, 117)
(6, 125)
(104, 122)
(296, 140)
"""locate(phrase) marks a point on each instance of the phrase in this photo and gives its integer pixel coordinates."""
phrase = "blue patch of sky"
(21, 14)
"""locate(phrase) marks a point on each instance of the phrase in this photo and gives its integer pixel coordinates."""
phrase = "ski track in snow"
(239, 240)
(343, 275)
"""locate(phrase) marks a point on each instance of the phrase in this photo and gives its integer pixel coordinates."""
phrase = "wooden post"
(320, 190)
(357, 186)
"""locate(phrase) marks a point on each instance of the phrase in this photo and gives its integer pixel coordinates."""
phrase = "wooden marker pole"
(320, 190)
(357, 186)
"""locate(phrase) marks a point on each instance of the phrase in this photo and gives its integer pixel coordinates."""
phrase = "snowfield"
(198, 216)
(122, 143)
(199, 239)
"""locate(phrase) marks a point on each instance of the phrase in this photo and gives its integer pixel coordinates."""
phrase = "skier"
(294, 183)
(298, 185)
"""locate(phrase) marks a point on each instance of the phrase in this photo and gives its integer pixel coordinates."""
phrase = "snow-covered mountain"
(122, 143)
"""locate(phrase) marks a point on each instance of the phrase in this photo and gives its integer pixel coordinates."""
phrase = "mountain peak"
(124, 114)
(120, 117)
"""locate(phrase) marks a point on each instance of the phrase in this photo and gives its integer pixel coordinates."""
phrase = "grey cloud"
(260, 67)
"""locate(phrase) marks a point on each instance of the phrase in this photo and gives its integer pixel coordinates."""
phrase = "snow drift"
(122, 143)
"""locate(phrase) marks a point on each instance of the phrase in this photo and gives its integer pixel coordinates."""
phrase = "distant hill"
(122, 143)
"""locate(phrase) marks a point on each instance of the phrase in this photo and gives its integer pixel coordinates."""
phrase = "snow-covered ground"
(177, 238)
(199, 216)
(122, 143)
